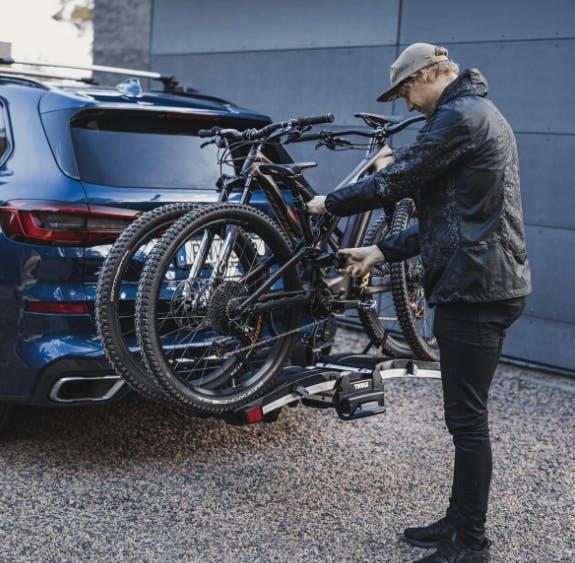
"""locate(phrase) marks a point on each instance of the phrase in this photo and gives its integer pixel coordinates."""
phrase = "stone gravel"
(135, 482)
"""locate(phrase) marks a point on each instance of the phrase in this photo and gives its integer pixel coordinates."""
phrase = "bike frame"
(296, 223)
(356, 225)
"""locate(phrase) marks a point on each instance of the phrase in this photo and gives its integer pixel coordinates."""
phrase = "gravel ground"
(132, 482)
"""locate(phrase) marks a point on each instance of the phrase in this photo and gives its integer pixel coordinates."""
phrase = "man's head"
(420, 74)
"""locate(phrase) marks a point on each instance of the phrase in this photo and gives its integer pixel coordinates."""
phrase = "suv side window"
(5, 141)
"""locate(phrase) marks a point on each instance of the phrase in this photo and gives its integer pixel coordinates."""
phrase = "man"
(463, 174)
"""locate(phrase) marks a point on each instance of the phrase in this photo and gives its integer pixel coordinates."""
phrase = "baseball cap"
(413, 58)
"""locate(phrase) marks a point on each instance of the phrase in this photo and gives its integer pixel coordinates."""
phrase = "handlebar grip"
(207, 132)
(309, 137)
(316, 120)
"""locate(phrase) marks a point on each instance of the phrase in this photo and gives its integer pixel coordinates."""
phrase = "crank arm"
(377, 289)
(347, 303)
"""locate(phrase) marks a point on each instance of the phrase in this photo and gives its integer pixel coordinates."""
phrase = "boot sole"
(419, 543)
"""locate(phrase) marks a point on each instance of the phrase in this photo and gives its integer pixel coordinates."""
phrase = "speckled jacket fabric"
(463, 174)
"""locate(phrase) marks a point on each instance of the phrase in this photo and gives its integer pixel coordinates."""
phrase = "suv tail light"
(57, 307)
(61, 224)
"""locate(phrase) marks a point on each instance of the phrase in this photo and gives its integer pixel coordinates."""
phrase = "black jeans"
(470, 337)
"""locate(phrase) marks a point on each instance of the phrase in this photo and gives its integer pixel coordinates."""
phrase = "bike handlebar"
(392, 129)
(255, 134)
(316, 120)
(388, 129)
(321, 135)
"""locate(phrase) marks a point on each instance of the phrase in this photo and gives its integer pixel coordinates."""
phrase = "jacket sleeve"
(402, 245)
(355, 198)
(443, 140)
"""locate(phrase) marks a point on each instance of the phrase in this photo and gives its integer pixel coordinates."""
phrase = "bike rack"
(352, 384)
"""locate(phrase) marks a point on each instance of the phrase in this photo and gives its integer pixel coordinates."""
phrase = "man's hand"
(361, 260)
(316, 206)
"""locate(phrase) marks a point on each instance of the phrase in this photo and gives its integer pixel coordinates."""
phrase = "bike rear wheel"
(413, 313)
(377, 311)
(116, 292)
(219, 356)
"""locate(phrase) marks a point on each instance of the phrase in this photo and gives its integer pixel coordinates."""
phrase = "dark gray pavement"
(134, 482)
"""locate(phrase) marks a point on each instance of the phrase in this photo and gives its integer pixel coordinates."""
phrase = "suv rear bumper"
(56, 360)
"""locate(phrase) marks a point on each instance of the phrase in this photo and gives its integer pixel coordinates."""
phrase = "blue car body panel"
(38, 348)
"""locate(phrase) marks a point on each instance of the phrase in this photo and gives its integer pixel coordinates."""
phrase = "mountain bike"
(241, 285)
(120, 272)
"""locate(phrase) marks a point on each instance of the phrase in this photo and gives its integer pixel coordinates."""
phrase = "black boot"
(429, 536)
(453, 551)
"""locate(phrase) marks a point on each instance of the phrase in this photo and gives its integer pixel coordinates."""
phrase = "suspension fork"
(229, 240)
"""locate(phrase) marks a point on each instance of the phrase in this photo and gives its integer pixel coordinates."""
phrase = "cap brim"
(389, 95)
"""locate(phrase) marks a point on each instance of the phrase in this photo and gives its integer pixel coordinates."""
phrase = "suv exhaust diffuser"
(76, 388)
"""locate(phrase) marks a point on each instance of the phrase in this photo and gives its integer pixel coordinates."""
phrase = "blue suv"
(77, 164)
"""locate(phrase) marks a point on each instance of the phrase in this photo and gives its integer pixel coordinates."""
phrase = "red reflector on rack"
(58, 308)
(255, 415)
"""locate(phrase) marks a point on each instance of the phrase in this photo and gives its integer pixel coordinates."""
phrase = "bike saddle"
(286, 170)
(375, 120)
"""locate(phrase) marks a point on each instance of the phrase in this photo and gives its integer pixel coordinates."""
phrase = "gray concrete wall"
(122, 32)
(331, 55)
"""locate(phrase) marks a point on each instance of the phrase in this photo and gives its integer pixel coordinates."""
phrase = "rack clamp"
(359, 395)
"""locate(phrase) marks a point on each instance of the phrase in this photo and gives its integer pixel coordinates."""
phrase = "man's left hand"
(316, 206)
(361, 260)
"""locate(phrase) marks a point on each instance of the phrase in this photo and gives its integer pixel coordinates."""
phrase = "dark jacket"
(463, 174)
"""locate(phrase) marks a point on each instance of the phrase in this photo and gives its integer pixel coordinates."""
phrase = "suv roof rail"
(16, 72)
(170, 83)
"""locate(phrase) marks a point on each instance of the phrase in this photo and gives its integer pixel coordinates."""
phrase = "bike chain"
(268, 340)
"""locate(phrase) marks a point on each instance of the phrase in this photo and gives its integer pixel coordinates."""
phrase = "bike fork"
(196, 266)
(204, 249)
(220, 264)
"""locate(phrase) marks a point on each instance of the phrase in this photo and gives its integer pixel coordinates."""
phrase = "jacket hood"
(469, 83)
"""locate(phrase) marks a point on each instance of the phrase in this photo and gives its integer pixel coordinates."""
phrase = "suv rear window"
(146, 149)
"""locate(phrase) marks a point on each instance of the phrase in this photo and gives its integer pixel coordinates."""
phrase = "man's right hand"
(316, 206)
(361, 260)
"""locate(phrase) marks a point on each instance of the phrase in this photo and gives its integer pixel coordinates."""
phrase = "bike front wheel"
(377, 311)
(395, 315)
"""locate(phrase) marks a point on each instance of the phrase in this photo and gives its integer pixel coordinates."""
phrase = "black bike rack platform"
(352, 384)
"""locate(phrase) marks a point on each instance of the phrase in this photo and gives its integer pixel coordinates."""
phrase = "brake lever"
(341, 141)
(206, 143)
(332, 142)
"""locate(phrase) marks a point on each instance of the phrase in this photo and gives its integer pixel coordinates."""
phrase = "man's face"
(420, 96)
